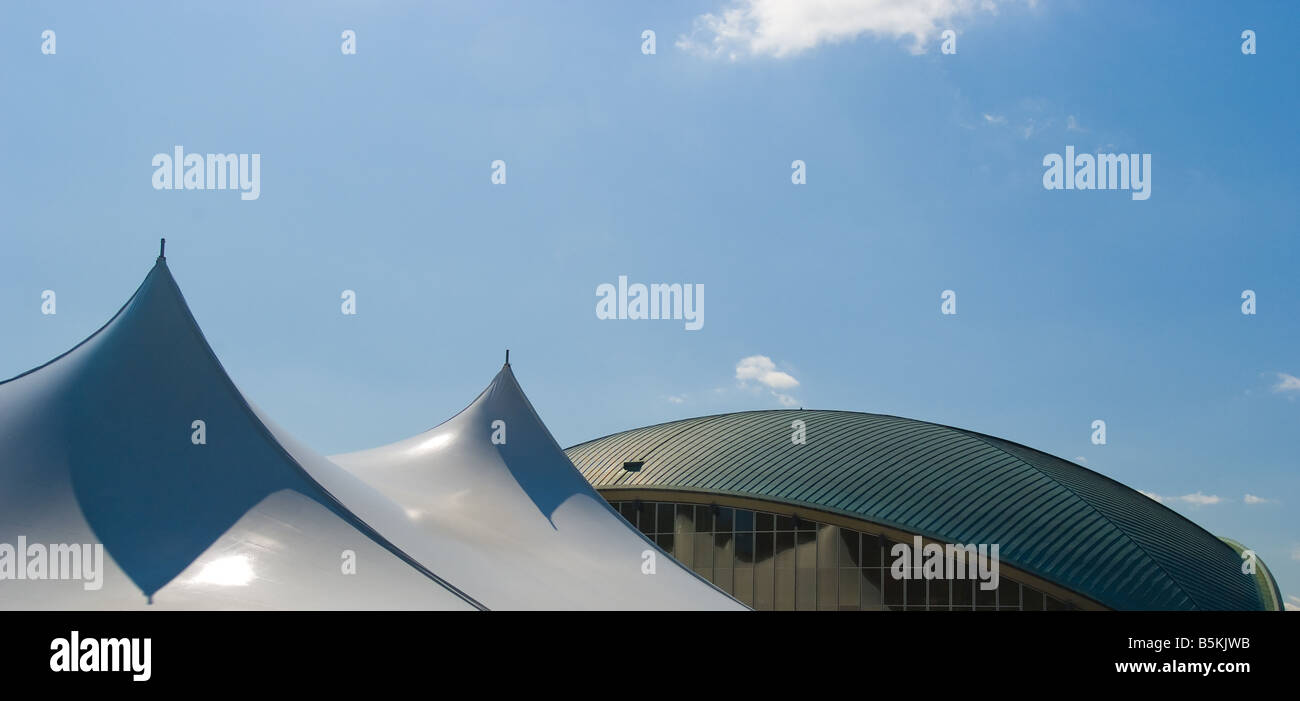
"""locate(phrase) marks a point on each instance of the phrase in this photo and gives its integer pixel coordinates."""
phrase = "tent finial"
(162, 249)
(507, 356)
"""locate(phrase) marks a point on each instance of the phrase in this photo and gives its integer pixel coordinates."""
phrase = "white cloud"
(787, 27)
(995, 119)
(1293, 604)
(1287, 383)
(1199, 499)
(1252, 499)
(761, 369)
(1081, 460)
(677, 399)
(1071, 124)
(1195, 499)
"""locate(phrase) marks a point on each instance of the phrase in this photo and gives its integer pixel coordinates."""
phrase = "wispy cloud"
(1195, 499)
(788, 27)
(1252, 499)
(1287, 384)
(677, 399)
(1199, 499)
(1033, 126)
(761, 370)
(994, 119)
(1293, 603)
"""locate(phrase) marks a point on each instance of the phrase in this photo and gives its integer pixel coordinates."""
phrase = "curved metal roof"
(1050, 517)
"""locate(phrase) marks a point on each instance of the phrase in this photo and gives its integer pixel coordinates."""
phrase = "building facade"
(801, 510)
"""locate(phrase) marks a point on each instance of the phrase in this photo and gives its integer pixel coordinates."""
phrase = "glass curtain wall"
(775, 562)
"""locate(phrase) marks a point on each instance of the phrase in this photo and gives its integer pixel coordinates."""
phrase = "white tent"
(510, 519)
(134, 474)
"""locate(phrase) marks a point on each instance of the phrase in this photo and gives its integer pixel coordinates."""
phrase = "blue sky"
(923, 174)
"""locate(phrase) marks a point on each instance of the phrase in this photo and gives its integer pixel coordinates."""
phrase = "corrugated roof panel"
(1050, 517)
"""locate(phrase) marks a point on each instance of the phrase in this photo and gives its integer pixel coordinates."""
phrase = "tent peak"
(507, 357)
(162, 249)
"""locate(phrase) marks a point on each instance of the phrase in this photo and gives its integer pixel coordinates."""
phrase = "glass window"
(791, 563)
(915, 589)
(892, 590)
(784, 589)
(685, 549)
(685, 521)
(939, 594)
(743, 580)
(703, 551)
(871, 551)
(764, 588)
(722, 549)
(744, 520)
(722, 576)
(703, 518)
(873, 596)
(785, 550)
(828, 544)
(665, 518)
(850, 589)
(848, 549)
(764, 545)
(963, 594)
(723, 519)
(744, 545)
(806, 549)
(628, 511)
(828, 581)
(646, 520)
(805, 589)
(1008, 595)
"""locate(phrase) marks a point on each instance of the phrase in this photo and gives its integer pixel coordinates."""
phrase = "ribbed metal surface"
(1050, 517)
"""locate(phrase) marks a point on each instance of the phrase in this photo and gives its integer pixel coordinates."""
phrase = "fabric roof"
(95, 447)
(515, 523)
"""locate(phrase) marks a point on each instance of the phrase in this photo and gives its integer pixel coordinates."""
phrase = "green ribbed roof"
(1050, 517)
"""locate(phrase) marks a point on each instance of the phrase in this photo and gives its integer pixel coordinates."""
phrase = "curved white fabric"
(514, 524)
(135, 455)
(100, 465)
